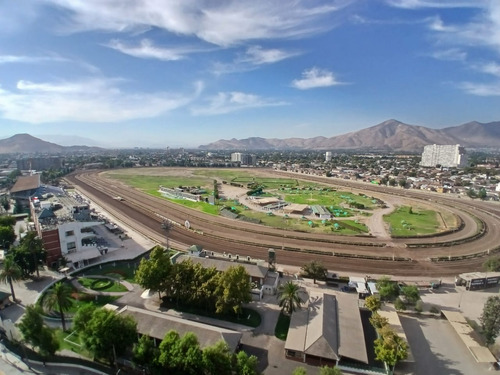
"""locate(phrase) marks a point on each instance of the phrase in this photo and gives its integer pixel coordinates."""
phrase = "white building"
(328, 156)
(450, 156)
(236, 156)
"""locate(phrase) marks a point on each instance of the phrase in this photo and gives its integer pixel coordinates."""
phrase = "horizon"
(200, 72)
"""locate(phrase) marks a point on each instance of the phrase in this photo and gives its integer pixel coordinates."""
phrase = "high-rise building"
(328, 156)
(236, 156)
(449, 156)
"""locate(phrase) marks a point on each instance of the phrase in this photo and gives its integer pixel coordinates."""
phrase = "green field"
(345, 227)
(410, 221)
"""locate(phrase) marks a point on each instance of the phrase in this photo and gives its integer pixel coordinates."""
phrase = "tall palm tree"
(288, 296)
(59, 297)
(10, 272)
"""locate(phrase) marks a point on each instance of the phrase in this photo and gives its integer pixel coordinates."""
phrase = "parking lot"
(437, 349)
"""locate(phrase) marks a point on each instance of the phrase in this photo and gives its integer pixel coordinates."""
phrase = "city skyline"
(153, 75)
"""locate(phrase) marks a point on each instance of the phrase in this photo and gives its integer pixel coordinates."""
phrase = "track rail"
(220, 234)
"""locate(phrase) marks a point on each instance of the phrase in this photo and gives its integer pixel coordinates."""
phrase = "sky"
(158, 73)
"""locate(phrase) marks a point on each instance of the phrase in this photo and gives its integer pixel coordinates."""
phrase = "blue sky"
(153, 73)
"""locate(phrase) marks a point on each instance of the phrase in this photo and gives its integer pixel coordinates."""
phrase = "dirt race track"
(478, 235)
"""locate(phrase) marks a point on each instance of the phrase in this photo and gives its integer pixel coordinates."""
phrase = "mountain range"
(390, 135)
(27, 144)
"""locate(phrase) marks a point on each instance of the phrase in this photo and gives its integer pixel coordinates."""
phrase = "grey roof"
(329, 327)
(157, 325)
(222, 265)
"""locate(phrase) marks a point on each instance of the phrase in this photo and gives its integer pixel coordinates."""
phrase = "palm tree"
(11, 272)
(288, 296)
(59, 297)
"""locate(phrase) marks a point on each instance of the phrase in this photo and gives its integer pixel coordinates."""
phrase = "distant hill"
(27, 144)
(390, 135)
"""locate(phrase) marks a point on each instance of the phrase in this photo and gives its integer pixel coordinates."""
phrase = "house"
(156, 325)
(327, 330)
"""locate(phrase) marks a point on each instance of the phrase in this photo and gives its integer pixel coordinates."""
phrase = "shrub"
(419, 306)
(434, 310)
(399, 304)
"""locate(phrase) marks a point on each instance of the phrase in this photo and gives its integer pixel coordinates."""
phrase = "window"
(71, 246)
(70, 233)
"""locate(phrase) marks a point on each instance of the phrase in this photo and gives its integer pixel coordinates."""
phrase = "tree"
(490, 319)
(492, 264)
(48, 342)
(314, 270)
(373, 303)
(387, 289)
(154, 272)
(10, 273)
(390, 348)
(246, 365)
(233, 290)
(7, 236)
(411, 293)
(378, 321)
(7, 220)
(59, 298)
(325, 370)
(31, 325)
(288, 297)
(30, 254)
(145, 352)
(106, 333)
(180, 355)
(217, 359)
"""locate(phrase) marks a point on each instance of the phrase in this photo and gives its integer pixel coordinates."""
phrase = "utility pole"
(167, 227)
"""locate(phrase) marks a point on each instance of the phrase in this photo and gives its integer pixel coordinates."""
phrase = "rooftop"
(24, 183)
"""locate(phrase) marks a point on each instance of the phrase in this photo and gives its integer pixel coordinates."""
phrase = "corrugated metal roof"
(24, 183)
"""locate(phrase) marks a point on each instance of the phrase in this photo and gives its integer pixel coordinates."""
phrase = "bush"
(399, 304)
(434, 310)
(419, 306)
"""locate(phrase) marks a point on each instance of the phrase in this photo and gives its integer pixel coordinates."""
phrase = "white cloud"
(257, 55)
(481, 89)
(91, 100)
(147, 50)
(9, 59)
(415, 4)
(492, 68)
(314, 78)
(226, 102)
(452, 54)
(222, 23)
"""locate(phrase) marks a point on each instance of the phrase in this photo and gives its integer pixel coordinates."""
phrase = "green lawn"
(248, 317)
(346, 227)
(123, 270)
(330, 199)
(410, 221)
(102, 285)
(281, 329)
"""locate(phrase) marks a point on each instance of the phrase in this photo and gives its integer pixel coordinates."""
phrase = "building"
(478, 280)
(264, 281)
(65, 227)
(328, 156)
(448, 156)
(156, 325)
(243, 159)
(40, 164)
(328, 330)
(25, 188)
